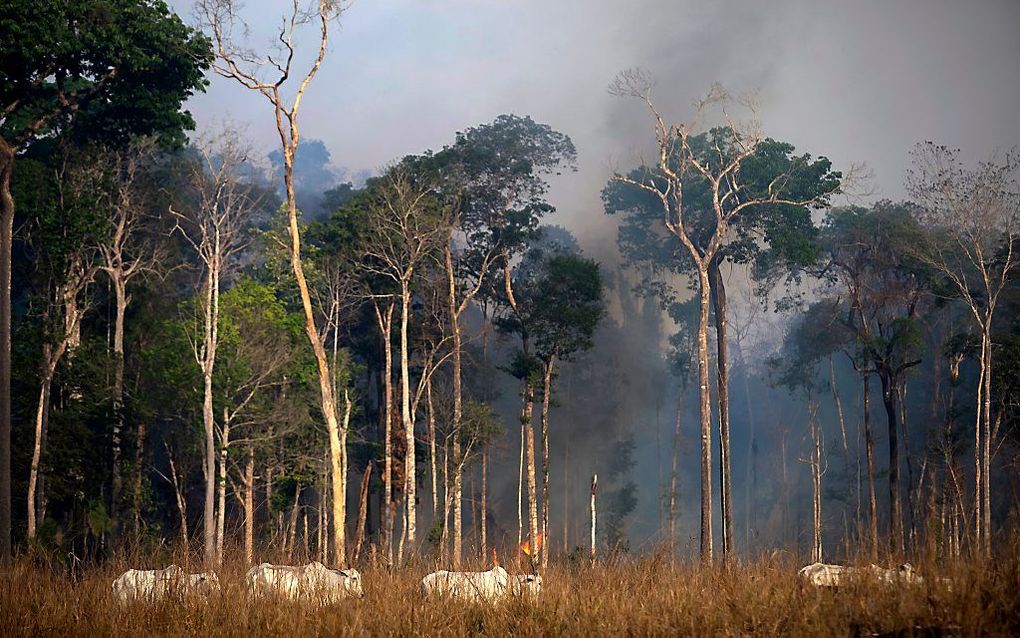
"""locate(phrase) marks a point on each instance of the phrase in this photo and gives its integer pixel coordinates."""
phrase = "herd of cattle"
(317, 583)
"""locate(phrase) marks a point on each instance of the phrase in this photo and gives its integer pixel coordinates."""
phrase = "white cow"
(822, 575)
(905, 574)
(156, 584)
(525, 585)
(312, 582)
(480, 586)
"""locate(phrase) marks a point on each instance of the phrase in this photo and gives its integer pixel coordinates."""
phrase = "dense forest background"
(219, 346)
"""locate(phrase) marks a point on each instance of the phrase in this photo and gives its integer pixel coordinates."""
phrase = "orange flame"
(526, 545)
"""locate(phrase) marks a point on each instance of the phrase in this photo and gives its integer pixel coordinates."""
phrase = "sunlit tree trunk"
(249, 506)
(410, 493)
(705, 411)
(385, 321)
(221, 513)
(529, 441)
(432, 446)
(546, 392)
(485, 510)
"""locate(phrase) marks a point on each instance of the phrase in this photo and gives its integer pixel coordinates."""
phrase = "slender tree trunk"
(362, 509)
(182, 503)
(986, 450)
(458, 407)
(120, 297)
(723, 397)
(842, 431)
(816, 481)
(895, 506)
(529, 433)
(705, 412)
(432, 446)
(338, 462)
(292, 523)
(6, 248)
(594, 489)
(208, 363)
(269, 500)
(673, 494)
(139, 459)
(869, 446)
(221, 514)
(485, 510)
(249, 506)
(326, 379)
(546, 392)
(901, 400)
(444, 537)
(750, 473)
(385, 326)
(410, 493)
(41, 418)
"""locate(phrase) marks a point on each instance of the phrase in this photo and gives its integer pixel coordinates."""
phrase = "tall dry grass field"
(640, 596)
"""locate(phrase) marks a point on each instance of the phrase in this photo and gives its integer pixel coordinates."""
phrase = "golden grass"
(640, 596)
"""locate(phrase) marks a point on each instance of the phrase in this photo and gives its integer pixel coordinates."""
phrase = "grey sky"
(856, 81)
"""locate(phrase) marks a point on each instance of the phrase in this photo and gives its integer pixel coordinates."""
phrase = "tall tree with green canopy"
(493, 177)
(866, 257)
(558, 307)
(104, 69)
(717, 195)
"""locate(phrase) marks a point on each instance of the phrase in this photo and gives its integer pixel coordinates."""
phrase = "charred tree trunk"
(869, 446)
(723, 398)
(895, 506)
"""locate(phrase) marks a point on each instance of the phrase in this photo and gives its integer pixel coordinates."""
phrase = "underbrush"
(642, 596)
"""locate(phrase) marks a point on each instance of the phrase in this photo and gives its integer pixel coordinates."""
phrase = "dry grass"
(646, 596)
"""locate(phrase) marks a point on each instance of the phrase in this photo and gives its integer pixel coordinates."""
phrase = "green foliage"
(117, 67)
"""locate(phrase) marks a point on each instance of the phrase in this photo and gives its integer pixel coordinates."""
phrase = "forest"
(230, 353)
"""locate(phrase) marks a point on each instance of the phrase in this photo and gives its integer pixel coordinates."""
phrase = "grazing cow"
(312, 582)
(156, 584)
(822, 575)
(473, 586)
(904, 574)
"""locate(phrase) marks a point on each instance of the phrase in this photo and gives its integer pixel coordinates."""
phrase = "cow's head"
(205, 583)
(353, 581)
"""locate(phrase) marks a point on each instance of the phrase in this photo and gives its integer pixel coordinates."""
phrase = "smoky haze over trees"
(218, 337)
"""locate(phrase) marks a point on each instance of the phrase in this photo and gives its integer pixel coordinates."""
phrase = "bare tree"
(973, 216)
(677, 164)
(216, 229)
(406, 226)
(128, 253)
(220, 17)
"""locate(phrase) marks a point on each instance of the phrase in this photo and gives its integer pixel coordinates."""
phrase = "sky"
(856, 82)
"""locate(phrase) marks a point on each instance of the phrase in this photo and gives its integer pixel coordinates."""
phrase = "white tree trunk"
(410, 493)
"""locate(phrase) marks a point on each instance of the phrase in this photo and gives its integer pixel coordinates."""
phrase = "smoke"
(859, 81)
